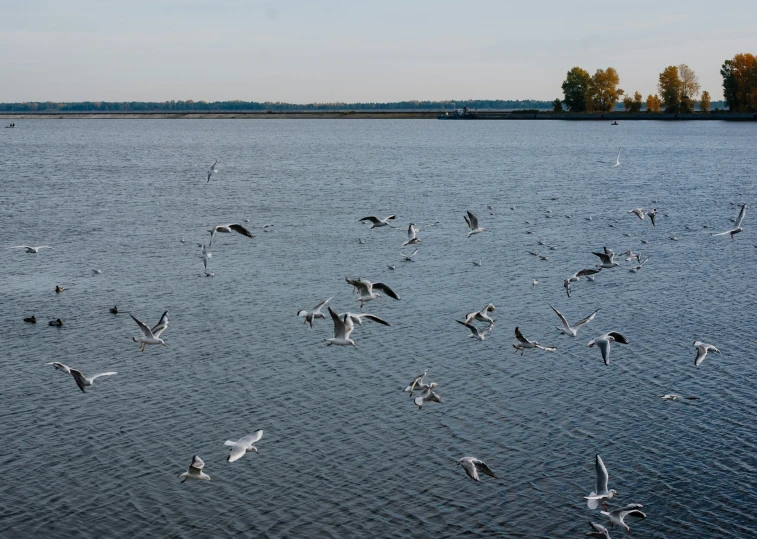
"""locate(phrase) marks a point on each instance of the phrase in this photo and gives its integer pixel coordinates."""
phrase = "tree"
(627, 103)
(730, 91)
(575, 87)
(654, 103)
(689, 82)
(669, 86)
(636, 103)
(704, 104)
(603, 90)
(557, 105)
(740, 82)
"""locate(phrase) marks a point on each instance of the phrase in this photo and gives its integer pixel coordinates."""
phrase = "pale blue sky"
(335, 50)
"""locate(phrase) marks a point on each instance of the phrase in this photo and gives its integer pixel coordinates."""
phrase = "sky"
(300, 51)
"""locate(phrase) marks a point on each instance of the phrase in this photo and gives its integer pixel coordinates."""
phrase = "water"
(345, 453)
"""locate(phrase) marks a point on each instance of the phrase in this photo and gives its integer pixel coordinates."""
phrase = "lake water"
(345, 453)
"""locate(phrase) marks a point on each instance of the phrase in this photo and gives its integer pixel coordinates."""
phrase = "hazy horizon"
(334, 51)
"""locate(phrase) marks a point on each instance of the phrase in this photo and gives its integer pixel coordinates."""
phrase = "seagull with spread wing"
(243, 446)
(617, 516)
(702, 349)
(524, 344)
(569, 330)
(603, 343)
(365, 289)
(600, 492)
(81, 380)
(737, 227)
(473, 466)
(314, 314)
(412, 236)
(342, 330)
(227, 229)
(195, 471)
(377, 223)
(151, 336)
(212, 170)
(472, 222)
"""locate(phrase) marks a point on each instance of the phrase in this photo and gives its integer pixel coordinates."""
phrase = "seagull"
(341, 331)
(588, 273)
(59, 289)
(477, 263)
(182, 240)
(210, 273)
(409, 258)
(212, 170)
(31, 320)
(617, 516)
(607, 259)
(472, 222)
(569, 330)
(412, 238)
(534, 282)
(617, 161)
(97, 271)
(603, 342)
(524, 343)
(391, 266)
(702, 349)
(361, 241)
(417, 384)
(365, 290)
(151, 336)
(638, 212)
(735, 230)
(475, 332)
(673, 397)
(641, 265)
(243, 445)
(630, 255)
(600, 532)
(206, 255)
(542, 257)
(600, 491)
(652, 215)
(81, 380)
(482, 315)
(226, 229)
(472, 466)
(428, 395)
(314, 314)
(377, 223)
(195, 470)
(32, 250)
(357, 318)
(57, 322)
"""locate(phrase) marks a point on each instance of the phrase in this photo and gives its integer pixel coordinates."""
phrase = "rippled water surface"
(345, 452)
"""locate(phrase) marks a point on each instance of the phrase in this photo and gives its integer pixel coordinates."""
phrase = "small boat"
(614, 123)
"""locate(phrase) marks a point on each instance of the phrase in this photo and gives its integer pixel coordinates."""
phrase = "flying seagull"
(617, 516)
(588, 273)
(673, 397)
(638, 212)
(417, 384)
(151, 336)
(473, 466)
(641, 265)
(475, 332)
(33, 250)
(341, 331)
(652, 215)
(569, 330)
(737, 227)
(314, 314)
(472, 222)
(409, 258)
(243, 445)
(428, 395)
(599, 531)
(377, 223)
(482, 315)
(607, 259)
(412, 236)
(702, 349)
(365, 290)
(195, 470)
(600, 491)
(617, 161)
(226, 229)
(212, 170)
(524, 344)
(603, 342)
(81, 380)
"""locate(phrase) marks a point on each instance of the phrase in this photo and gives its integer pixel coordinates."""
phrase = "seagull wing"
(546, 348)
(251, 438)
(520, 337)
(602, 477)
(740, 218)
(80, 380)
(161, 326)
(701, 354)
(99, 374)
(473, 329)
(143, 327)
(372, 219)
(483, 468)
(197, 463)
(585, 320)
(373, 318)
(467, 221)
(562, 318)
(61, 367)
(473, 220)
(363, 287)
(20, 247)
(242, 230)
(339, 327)
(389, 292)
(470, 469)
(317, 308)
(604, 347)
(603, 257)
(238, 450)
(590, 271)
(617, 337)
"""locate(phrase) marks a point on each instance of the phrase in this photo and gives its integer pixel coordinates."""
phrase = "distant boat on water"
(458, 114)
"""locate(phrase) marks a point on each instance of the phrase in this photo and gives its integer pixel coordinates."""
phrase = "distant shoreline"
(364, 115)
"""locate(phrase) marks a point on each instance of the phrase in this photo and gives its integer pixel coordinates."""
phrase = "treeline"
(220, 106)
(677, 86)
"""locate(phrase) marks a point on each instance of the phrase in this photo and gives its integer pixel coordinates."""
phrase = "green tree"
(704, 104)
(575, 88)
(745, 76)
(669, 86)
(627, 103)
(557, 105)
(730, 89)
(653, 103)
(637, 102)
(603, 90)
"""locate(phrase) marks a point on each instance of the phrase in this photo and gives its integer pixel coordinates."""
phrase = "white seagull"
(702, 349)
(409, 258)
(81, 380)
(226, 229)
(600, 491)
(524, 344)
(243, 445)
(569, 330)
(314, 314)
(417, 384)
(472, 222)
(737, 227)
(641, 265)
(617, 161)
(588, 273)
(377, 223)
(412, 236)
(475, 332)
(673, 397)
(472, 466)
(482, 315)
(607, 259)
(213, 169)
(32, 250)
(365, 290)
(617, 516)
(652, 215)
(151, 336)
(428, 395)
(341, 331)
(599, 531)
(195, 471)
(603, 342)
(630, 255)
